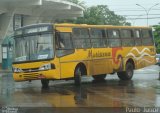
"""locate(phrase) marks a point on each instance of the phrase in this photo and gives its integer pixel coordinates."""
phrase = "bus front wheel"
(99, 77)
(128, 74)
(78, 76)
(45, 83)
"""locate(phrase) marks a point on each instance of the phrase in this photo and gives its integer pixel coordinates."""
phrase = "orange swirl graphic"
(115, 56)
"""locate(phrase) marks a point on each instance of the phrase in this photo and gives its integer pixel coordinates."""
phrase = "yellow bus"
(69, 51)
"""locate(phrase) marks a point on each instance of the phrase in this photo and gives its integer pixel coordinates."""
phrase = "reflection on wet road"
(143, 90)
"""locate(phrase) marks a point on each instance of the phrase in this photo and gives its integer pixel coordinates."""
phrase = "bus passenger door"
(64, 53)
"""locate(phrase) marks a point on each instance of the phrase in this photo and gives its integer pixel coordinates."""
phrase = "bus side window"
(98, 38)
(64, 43)
(64, 40)
(127, 37)
(137, 35)
(76, 33)
(147, 37)
(145, 34)
(114, 38)
(81, 38)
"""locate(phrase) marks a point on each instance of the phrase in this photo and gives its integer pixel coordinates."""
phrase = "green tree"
(157, 37)
(101, 15)
(97, 15)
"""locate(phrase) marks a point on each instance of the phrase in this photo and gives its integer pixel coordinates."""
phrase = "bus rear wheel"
(99, 77)
(78, 76)
(45, 83)
(128, 74)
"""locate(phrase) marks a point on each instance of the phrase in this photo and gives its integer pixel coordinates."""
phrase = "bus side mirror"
(10, 46)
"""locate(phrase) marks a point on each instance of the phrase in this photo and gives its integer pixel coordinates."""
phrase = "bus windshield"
(34, 47)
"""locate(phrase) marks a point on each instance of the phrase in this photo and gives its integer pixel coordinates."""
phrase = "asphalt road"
(142, 91)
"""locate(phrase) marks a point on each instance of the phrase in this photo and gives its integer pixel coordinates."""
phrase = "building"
(18, 13)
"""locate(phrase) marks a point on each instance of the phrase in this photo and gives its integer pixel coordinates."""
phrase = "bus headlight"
(45, 67)
(17, 70)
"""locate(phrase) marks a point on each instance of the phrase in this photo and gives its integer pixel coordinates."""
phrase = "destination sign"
(30, 30)
(35, 30)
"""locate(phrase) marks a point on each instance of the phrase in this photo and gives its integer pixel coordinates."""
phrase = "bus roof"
(82, 26)
(99, 26)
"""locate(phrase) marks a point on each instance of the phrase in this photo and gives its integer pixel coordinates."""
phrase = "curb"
(5, 71)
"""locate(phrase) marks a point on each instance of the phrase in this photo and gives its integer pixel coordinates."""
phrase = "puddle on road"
(109, 93)
(6, 89)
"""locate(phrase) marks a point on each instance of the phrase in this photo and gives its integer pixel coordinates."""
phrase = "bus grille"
(32, 76)
(30, 70)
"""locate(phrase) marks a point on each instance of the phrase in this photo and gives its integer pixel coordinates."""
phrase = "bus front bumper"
(50, 74)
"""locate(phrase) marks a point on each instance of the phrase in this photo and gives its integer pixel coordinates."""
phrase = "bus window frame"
(75, 38)
(131, 37)
(137, 38)
(150, 37)
(65, 52)
(117, 29)
(58, 42)
(105, 38)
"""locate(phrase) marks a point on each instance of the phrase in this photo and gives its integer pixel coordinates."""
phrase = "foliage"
(97, 15)
(157, 37)
(101, 15)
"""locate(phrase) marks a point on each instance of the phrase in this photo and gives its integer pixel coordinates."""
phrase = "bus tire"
(99, 77)
(45, 83)
(78, 76)
(128, 74)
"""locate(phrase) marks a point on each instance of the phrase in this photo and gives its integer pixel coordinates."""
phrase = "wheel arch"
(82, 67)
(130, 60)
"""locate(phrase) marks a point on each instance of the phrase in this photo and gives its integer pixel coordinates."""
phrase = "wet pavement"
(142, 91)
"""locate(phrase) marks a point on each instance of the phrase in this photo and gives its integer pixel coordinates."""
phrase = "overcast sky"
(132, 12)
